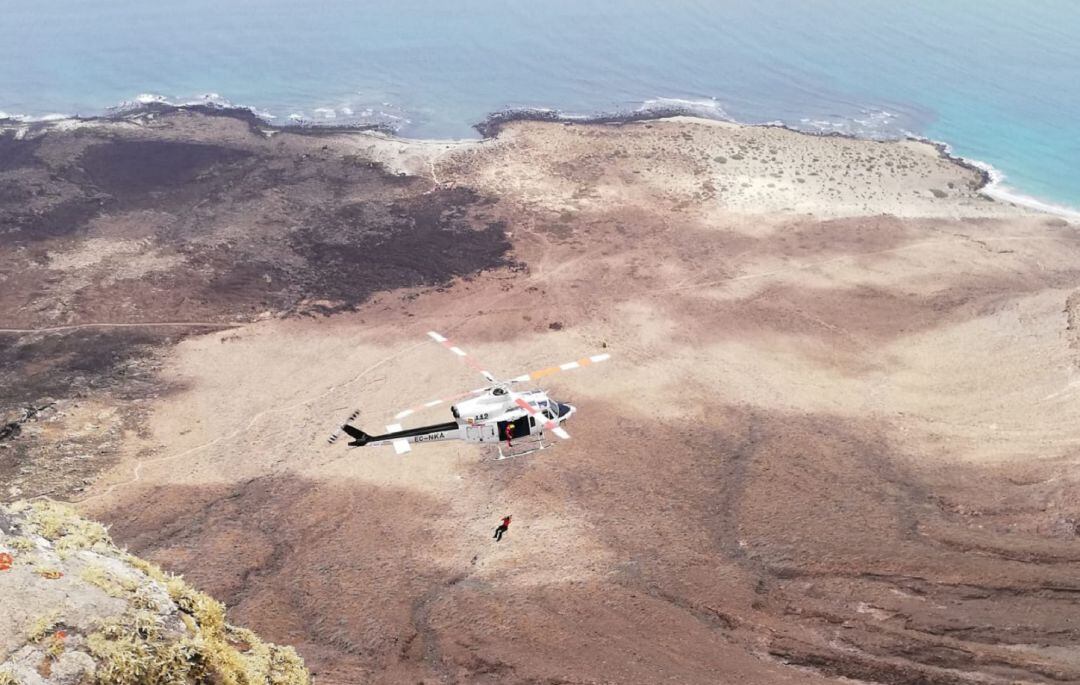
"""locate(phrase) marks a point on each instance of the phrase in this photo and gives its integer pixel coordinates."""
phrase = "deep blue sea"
(999, 80)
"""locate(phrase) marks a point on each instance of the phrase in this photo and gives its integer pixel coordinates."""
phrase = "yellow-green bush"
(125, 658)
(99, 576)
(144, 646)
(20, 544)
(42, 626)
(61, 525)
(135, 650)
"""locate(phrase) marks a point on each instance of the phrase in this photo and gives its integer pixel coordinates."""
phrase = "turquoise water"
(998, 80)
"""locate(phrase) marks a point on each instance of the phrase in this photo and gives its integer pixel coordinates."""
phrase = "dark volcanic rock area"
(228, 228)
(133, 170)
(81, 391)
(176, 217)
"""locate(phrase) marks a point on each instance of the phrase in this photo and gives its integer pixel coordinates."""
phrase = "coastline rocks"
(494, 123)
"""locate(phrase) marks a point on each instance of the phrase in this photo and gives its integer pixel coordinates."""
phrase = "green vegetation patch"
(61, 525)
(146, 644)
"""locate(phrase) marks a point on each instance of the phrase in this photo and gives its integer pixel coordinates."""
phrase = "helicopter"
(491, 414)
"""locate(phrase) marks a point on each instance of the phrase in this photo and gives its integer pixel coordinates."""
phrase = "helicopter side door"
(522, 427)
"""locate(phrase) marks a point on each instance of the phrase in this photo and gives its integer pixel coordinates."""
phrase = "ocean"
(997, 80)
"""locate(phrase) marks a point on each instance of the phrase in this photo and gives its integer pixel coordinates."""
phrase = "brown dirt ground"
(824, 448)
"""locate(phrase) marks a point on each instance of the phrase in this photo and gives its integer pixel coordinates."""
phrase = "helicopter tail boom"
(442, 431)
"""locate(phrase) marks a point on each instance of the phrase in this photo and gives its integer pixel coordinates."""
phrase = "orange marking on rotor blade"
(544, 372)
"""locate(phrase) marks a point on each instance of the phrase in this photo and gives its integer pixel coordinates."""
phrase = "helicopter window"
(532, 422)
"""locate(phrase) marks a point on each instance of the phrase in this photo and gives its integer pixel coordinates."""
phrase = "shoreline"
(992, 185)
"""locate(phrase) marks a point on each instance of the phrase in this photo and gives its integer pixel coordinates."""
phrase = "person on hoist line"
(503, 527)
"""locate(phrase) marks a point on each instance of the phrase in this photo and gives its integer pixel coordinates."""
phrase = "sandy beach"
(835, 440)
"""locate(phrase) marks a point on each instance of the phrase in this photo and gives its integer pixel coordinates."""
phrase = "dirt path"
(141, 324)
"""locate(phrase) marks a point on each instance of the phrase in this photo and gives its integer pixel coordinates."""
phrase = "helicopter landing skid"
(528, 446)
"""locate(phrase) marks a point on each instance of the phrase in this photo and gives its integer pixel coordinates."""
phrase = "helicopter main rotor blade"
(434, 403)
(549, 425)
(584, 361)
(469, 361)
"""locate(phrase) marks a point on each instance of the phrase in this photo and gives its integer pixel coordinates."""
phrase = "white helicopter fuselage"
(498, 402)
(484, 419)
(491, 414)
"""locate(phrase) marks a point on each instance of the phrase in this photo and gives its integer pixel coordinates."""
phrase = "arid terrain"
(837, 437)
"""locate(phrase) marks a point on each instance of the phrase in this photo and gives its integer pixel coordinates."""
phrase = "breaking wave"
(874, 123)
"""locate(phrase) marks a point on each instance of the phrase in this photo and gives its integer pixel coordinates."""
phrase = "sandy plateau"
(837, 438)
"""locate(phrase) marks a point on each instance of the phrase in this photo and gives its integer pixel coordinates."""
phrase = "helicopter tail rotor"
(337, 434)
